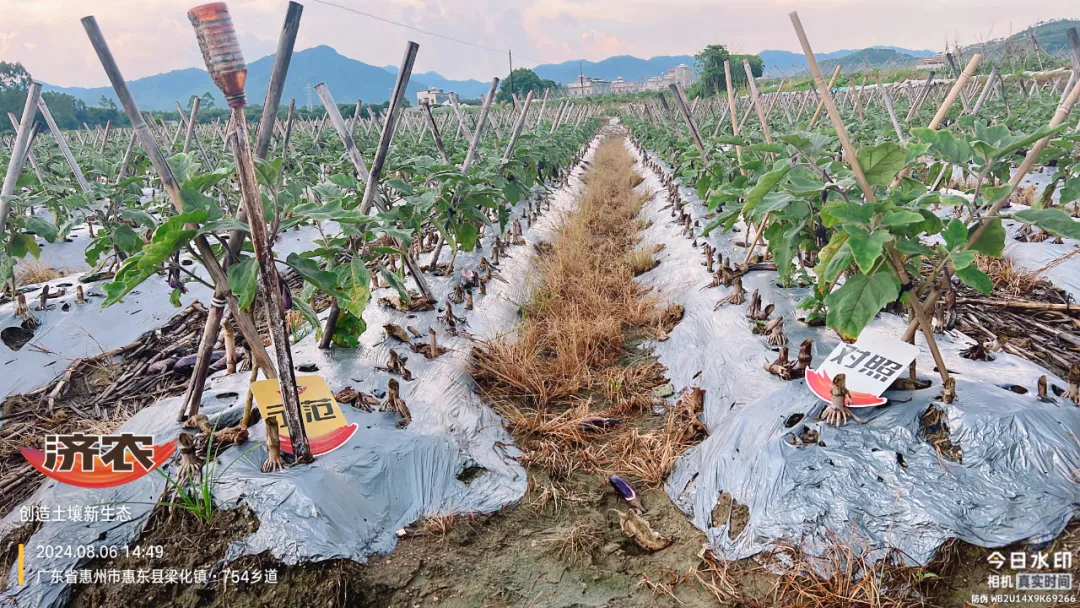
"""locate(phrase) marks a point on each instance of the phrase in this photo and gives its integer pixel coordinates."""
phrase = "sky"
(153, 36)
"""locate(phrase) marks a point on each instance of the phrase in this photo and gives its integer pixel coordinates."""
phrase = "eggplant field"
(745, 338)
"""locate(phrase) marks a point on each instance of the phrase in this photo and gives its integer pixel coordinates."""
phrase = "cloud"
(153, 36)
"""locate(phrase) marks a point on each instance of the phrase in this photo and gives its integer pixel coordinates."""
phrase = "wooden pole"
(282, 58)
(18, 152)
(191, 123)
(172, 188)
(956, 89)
(731, 106)
(29, 148)
(343, 132)
(426, 108)
(867, 190)
(986, 91)
(680, 100)
(888, 106)
(821, 101)
(61, 141)
(517, 127)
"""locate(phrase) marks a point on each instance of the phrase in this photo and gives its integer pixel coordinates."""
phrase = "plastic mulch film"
(350, 503)
(873, 486)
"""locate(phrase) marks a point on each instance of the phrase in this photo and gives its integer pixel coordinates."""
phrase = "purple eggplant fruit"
(185, 364)
(286, 295)
(623, 489)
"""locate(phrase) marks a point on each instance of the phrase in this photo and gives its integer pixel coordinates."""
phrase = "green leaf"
(325, 280)
(976, 279)
(866, 247)
(182, 165)
(882, 162)
(268, 173)
(992, 241)
(139, 216)
(900, 217)
(394, 281)
(223, 225)
(1071, 190)
(357, 287)
(465, 235)
(833, 250)
(1054, 221)
(41, 227)
(126, 239)
(858, 300)
(841, 212)
(912, 246)
(962, 259)
(766, 184)
(244, 281)
(309, 315)
(955, 235)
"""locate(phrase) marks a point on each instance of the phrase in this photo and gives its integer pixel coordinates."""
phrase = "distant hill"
(778, 63)
(1050, 34)
(348, 80)
(868, 59)
(629, 68)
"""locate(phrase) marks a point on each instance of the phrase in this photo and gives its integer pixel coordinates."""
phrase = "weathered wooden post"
(29, 146)
(172, 189)
(867, 190)
(191, 123)
(18, 152)
(680, 100)
(221, 52)
(62, 142)
(426, 108)
(282, 57)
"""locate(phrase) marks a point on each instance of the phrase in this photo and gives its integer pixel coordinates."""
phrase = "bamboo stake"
(518, 125)
(867, 190)
(172, 188)
(62, 142)
(731, 106)
(29, 148)
(985, 91)
(18, 152)
(127, 157)
(680, 100)
(821, 101)
(343, 132)
(889, 106)
(754, 99)
(956, 89)
(282, 58)
(191, 123)
(426, 108)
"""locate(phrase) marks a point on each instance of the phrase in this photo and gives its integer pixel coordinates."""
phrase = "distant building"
(433, 96)
(931, 63)
(622, 86)
(680, 74)
(588, 86)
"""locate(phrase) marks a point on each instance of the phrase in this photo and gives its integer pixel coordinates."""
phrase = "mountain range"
(349, 79)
